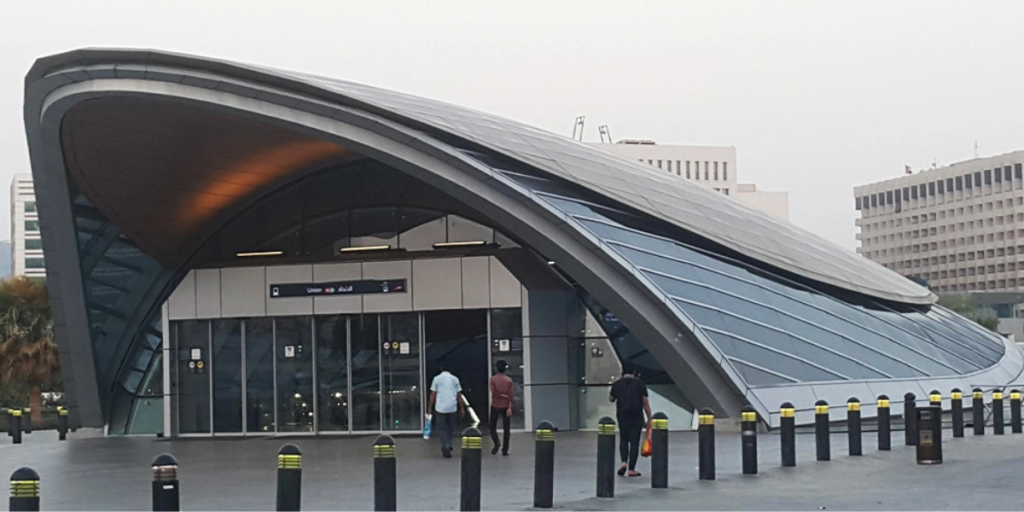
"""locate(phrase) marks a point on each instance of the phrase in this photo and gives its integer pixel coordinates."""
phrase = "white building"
(26, 245)
(710, 166)
(959, 227)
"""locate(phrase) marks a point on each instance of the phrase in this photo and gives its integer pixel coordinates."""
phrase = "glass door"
(400, 371)
(332, 373)
(293, 348)
(226, 355)
(192, 339)
(457, 340)
(365, 373)
(259, 376)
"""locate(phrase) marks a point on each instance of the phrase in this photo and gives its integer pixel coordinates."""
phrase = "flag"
(906, 170)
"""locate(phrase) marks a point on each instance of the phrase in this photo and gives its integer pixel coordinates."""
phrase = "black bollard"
(62, 424)
(787, 434)
(26, 420)
(606, 458)
(706, 444)
(385, 477)
(997, 413)
(853, 426)
(24, 490)
(978, 411)
(909, 419)
(884, 424)
(544, 466)
(748, 440)
(289, 478)
(10, 422)
(659, 451)
(1015, 425)
(821, 435)
(956, 400)
(470, 499)
(16, 425)
(935, 399)
(165, 484)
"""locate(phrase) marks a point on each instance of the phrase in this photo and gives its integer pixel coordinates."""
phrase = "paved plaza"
(239, 474)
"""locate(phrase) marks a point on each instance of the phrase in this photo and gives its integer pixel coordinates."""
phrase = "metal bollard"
(956, 399)
(544, 466)
(853, 426)
(748, 440)
(10, 422)
(62, 424)
(24, 490)
(910, 419)
(606, 458)
(385, 477)
(166, 488)
(16, 425)
(821, 436)
(706, 444)
(884, 424)
(787, 434)
(470, 499)
(978, 411)
(26, 420)
(659, 451)
(289, 478)
(997, 413)
(935, 399)
(1015, 425)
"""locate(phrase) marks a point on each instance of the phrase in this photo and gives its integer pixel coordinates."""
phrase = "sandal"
(622, 471)
(634, 474)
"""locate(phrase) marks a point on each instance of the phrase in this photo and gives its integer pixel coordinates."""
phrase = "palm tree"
(28, 353)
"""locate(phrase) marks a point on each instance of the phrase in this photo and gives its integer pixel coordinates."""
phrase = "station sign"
(362, 287)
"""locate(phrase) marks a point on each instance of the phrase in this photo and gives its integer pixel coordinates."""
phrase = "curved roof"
(632, 184)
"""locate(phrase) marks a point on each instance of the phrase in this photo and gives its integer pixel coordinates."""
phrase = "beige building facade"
(959, 227)
(26, 242)
(710, 166)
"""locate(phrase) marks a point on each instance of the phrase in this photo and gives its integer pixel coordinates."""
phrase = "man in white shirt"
(445, 399)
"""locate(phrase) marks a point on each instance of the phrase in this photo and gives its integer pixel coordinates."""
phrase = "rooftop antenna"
(975, 149)
(577, 128)
(605, 134)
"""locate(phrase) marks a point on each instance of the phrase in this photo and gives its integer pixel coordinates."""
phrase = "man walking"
(445, 399)
(630, 398)
(502, 392)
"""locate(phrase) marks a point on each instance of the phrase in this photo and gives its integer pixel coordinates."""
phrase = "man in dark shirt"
(503, 391)
(630, 398)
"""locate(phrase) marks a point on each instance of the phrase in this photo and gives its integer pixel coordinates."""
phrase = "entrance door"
(400, 371)
(457, 340)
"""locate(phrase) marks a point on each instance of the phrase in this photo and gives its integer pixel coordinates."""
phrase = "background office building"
(26, 246)
(710, 166)
(235, 250)
(960, 227)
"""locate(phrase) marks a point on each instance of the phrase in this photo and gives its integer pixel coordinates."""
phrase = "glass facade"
(335, 373)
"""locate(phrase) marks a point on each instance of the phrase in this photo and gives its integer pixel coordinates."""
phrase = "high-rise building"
(26, 244)
(711, 166)
(960, 228)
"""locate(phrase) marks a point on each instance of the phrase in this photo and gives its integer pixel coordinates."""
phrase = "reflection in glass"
(192, 339)
(507, 345)
(259, 378)
(365, 373)
(227, 375)
(294, 359)
(332, 372)
(400, 364)
(457, 340)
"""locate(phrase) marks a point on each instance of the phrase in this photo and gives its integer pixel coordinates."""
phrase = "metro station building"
(234, 250)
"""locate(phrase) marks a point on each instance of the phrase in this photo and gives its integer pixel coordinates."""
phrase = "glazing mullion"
(348, 370)
(315, 396)
(380, 372)
(245, 383)
(209, 369)
(273, 359)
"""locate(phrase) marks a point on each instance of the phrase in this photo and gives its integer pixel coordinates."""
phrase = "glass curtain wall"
(294, 360)
(507, 345)
(332, 373)
(227, 376)
(259, 375)
(366, 405)
(400, 365)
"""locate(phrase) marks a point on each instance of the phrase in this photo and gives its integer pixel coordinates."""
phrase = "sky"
(817, 97)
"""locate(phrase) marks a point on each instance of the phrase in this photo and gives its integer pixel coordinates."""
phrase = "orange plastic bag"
(646, 447)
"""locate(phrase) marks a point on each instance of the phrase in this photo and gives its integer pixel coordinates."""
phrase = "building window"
(959, 183)
(30, 206)
(31, 225)
(977, 179)
(931, 189)
(1018, 172)
(968, 182)
(659, 164)
(716, 171)
(725, 191)
(998, 175)
(687, 169)
(34, 263)
(706, 172)
(33, 244)
(906, 194)
(1007, 174)
(725, 171)
(679, 169)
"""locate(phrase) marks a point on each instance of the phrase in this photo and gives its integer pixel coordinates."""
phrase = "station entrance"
(336, 373)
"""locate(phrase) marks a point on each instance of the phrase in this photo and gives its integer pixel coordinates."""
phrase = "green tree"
(28, 353)
(964, 305)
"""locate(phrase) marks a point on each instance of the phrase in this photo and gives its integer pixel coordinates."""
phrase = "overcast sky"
(816, 96)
